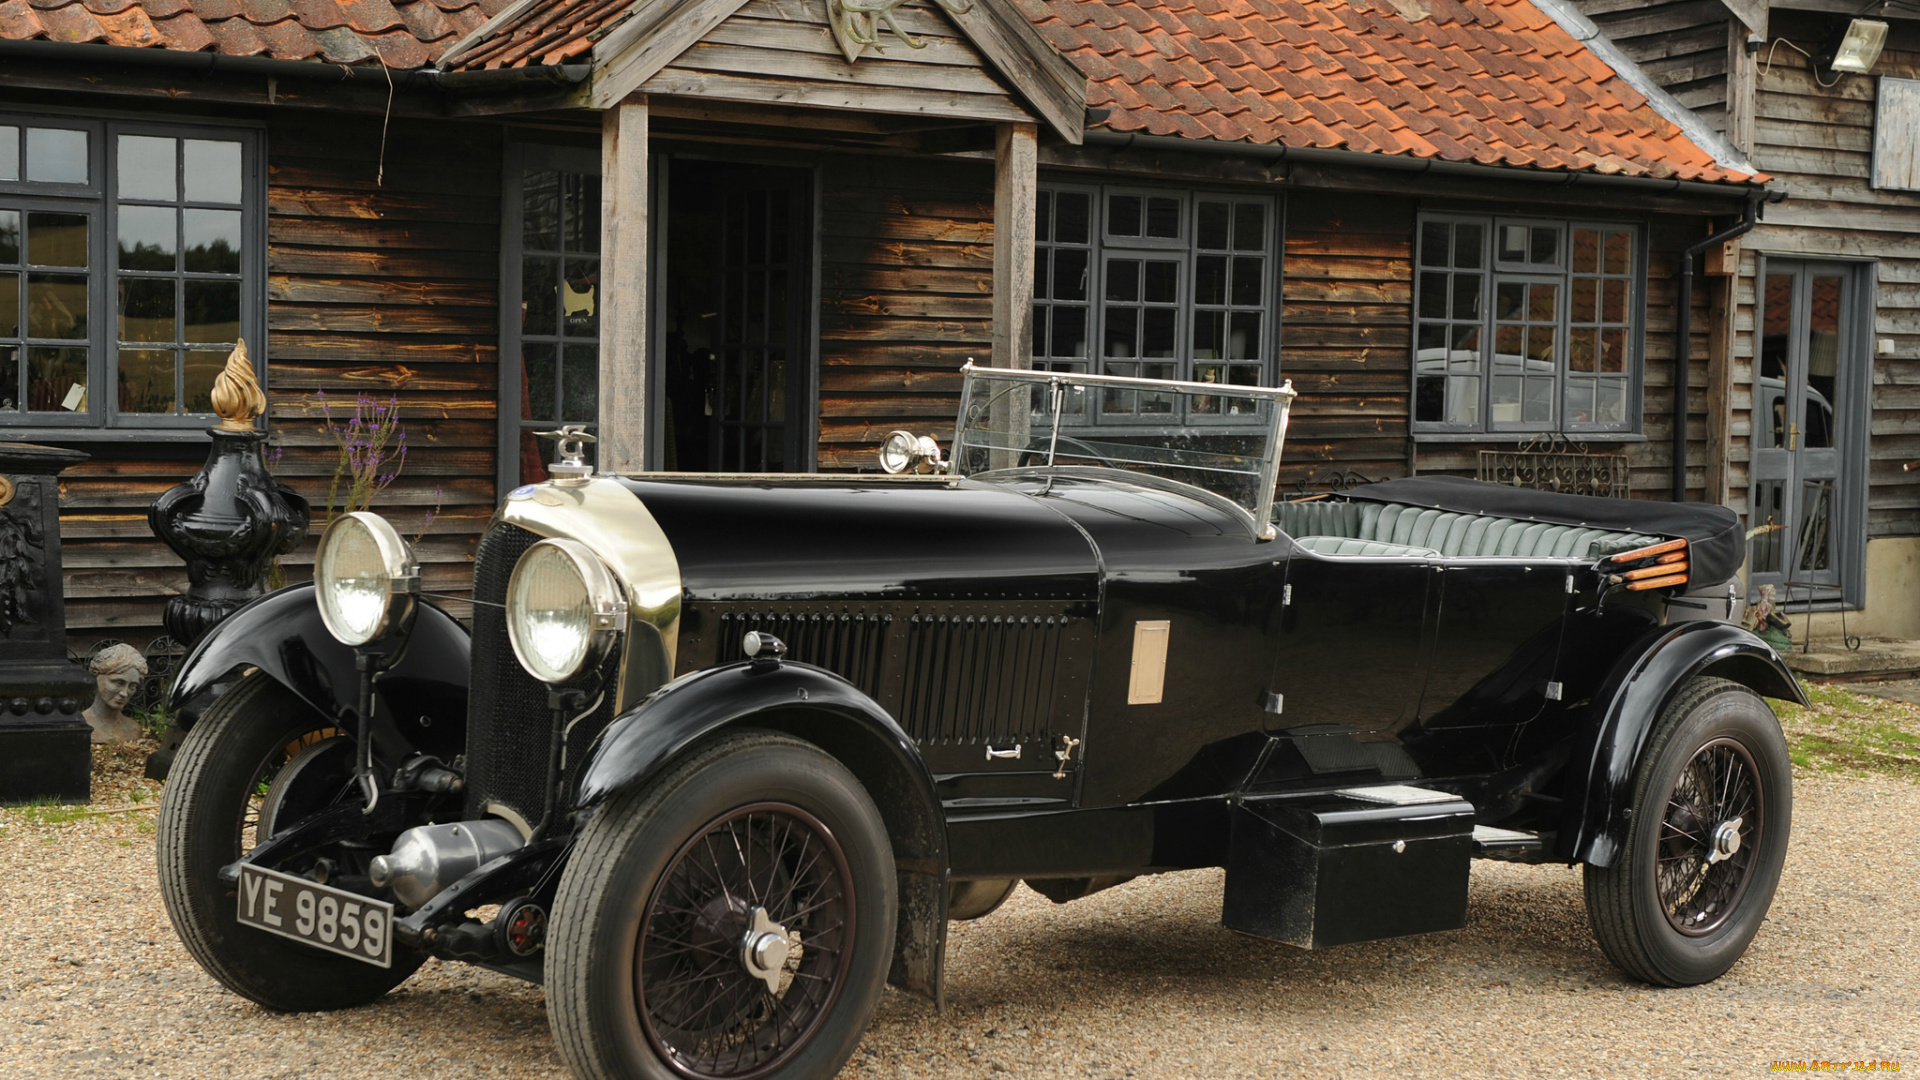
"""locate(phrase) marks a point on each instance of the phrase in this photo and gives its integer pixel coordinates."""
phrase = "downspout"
(1683, 342)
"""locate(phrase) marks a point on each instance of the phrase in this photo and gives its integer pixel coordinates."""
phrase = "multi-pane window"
(1155, 284)
(554, 228)
(1062, 280)
(1525, 326)
(126, 266)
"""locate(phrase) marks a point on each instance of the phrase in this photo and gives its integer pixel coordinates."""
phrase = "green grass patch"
(1853, 734)
(51, 813)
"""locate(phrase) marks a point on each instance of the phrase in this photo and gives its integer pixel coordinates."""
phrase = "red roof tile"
(401, 33)
(1493, 81)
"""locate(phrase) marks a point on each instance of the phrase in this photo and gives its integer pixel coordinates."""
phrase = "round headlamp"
(365, 578)
(563, 609)
(903, 451)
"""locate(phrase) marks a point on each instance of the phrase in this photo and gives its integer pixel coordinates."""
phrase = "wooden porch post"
(623, 286)
(1016, 178)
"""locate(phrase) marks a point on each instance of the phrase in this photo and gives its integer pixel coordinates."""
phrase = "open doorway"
(738, 330)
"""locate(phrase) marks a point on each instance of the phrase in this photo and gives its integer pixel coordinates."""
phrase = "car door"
(1350, 647)
(1496, 641)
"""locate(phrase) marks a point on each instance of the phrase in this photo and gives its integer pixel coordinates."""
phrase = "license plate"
(317, 915)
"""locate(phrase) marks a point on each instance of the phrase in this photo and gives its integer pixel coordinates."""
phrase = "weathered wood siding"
(387, 289)
(1816, 141)
(906, 297)
(1346, 336)
(1682, 44)
(781, 51)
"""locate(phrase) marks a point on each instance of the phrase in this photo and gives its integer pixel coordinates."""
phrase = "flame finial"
(236, 392)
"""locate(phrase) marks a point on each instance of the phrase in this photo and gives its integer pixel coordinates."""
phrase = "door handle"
(996, 755)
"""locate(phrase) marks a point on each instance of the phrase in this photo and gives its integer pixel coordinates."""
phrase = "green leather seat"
(1343, 545)
(1424, 531)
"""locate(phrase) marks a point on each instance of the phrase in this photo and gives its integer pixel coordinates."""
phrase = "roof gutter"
(206, 63)
(1355, 159)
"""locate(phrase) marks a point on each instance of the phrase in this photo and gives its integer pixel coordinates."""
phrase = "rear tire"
(646, 971)
(1677, 908)
(208, 810)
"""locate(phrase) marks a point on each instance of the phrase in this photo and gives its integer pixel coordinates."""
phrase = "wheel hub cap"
(1726, 841)
(764, 949)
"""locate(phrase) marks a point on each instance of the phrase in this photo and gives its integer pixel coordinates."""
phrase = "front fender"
(822, 708)
(421, 699)
(1628, 705)
(636, 745)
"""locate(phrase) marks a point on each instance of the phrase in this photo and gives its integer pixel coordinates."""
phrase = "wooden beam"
(1719, 388)
(623, 287)
(1016, 180)
(1742, 87)
(1015, 47)
(649, 41)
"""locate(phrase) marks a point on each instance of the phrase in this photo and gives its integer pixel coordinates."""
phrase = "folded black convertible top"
(1716, 547)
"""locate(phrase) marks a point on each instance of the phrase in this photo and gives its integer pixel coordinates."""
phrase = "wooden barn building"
(1821, 389)
(760, 234)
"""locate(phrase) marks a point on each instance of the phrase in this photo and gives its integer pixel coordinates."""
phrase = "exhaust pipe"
(428, 858)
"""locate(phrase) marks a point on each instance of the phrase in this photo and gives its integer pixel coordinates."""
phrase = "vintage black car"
(722, 755)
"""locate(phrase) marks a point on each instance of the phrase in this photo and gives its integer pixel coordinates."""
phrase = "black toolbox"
(1352, 865)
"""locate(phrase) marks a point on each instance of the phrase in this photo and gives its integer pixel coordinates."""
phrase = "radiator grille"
(508, 722)
(850, 644)
(972, 679)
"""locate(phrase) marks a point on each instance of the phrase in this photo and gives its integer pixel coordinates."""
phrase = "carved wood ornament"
(237, 396)
(857, 24)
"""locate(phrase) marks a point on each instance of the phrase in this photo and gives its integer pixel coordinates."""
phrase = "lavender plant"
(373, 450)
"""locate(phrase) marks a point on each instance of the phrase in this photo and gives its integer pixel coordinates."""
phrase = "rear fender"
(420, 703)
(826, 710)
(1599, 797)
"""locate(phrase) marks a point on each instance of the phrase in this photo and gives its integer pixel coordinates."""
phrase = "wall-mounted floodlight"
(1860, 46)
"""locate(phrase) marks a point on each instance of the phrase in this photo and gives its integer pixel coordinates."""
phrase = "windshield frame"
(1259, 518)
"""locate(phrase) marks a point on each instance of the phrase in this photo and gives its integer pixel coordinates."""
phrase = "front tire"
(236, 763)
(758, 848)
(1712, 809)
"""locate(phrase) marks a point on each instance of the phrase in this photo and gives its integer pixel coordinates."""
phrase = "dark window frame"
(519, 156)
(98, 197)
(1103, 249)
(1492, 272)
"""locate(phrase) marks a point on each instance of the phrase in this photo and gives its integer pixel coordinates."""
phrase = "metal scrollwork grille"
(1554, 463)
(1319, 483)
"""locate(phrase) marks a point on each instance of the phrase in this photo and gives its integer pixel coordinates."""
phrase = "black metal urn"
(44, 741)
(232, 518)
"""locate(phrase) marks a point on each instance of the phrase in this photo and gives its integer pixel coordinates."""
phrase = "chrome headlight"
(563, 609)
(903, 451)
(365, 578)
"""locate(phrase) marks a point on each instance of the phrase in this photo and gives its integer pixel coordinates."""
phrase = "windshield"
(1224, 439)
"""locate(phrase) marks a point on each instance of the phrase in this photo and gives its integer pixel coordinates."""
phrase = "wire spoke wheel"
(745, 942)
(258, 818)
(1710, 836)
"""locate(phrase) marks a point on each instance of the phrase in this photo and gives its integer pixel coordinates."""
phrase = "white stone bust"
(117, 672)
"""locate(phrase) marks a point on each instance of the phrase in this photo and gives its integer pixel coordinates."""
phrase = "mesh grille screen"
(508, 723)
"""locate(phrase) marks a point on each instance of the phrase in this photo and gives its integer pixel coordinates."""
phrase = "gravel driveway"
(1140, 981)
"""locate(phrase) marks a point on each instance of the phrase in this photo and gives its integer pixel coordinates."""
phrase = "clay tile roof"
(400, 33)
(1489, 81)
